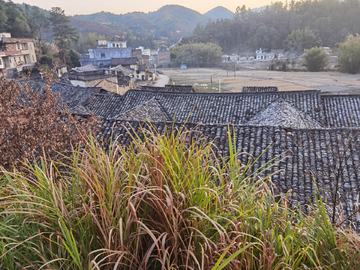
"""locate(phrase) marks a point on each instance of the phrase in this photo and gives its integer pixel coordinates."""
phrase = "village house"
(243, 56)
(268, 55)
(130, 62)
(103, 53)
(17, 55)
(90, 76)
(161, 58)
(144, 74)
(143, 56)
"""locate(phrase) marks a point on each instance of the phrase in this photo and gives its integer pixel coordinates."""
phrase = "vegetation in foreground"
(160, 204)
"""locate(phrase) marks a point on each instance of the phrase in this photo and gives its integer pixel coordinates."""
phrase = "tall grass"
(163, 203)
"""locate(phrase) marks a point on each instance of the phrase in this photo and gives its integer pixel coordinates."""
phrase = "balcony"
(13, 53)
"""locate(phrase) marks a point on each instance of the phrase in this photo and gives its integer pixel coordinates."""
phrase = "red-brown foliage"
(32, 124)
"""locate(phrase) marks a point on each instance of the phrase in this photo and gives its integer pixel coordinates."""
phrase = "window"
(18, 46)
(103, 55)
(33, 58)
(113, 44)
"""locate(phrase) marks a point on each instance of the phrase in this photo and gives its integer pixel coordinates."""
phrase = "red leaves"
(31, 122)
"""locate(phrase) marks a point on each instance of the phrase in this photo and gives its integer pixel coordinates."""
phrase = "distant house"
(144, 74)
(123, 71)
(91, 76)
(104, 52)
(130, 62)
(143, 56)
(244, 56)
(265, 54)
(17, 55)
(103, 43)
(161, 58)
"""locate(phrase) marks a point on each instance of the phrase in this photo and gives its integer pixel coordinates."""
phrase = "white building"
(103, 43)
(267, 55)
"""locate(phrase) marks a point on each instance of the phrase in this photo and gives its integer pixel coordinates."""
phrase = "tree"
(16, 21)
(64, 33)
(74, 56)
(302, 39)
(33, 123)
(38, 22)
(45, 60)
(316, 59)
(349, 59)
(197, 54)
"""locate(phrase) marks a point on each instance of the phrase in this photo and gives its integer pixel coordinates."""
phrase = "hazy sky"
(73, 7)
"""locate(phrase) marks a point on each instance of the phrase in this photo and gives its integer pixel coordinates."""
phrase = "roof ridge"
(226, 94)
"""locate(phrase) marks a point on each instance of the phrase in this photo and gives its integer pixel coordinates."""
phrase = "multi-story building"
(16, 55)
(104, 52)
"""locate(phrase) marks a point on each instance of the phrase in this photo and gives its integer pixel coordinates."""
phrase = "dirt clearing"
(327, 82)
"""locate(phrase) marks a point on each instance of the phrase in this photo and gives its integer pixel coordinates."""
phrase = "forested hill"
(219, 13)
(330, 21)
(171, 21)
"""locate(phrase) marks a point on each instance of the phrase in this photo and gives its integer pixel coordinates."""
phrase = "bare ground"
(327, 82)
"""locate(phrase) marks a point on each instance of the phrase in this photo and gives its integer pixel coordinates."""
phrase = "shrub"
(33, 123)
(316, 59)
(349, 59)
(162, 203)
(45, 60)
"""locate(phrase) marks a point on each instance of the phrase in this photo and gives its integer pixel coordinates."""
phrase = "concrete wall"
(108, 53)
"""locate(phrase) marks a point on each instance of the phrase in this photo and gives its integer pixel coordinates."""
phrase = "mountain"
(85, 26)
(219, 13)
(171, 21)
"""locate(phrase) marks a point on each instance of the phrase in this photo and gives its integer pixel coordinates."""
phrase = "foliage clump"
(197, 54)
(33, 123)
(349, 59)
(316, 59)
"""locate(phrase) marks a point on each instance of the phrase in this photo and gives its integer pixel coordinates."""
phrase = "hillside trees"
(349, 59)
(316, 59)
(197, 54)
(302, 39)
(16, 20)
(38, 22)
(309, 23)
(64, 33)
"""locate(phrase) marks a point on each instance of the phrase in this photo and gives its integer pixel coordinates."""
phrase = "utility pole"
(210, 83)
(219, 85)
(234, 70)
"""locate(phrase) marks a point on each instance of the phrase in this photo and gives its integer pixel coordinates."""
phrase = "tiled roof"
(281, 113)
(298, 156)
(125, 71)
(123, 61)
(86, 68)
(342, 111)
(249, 89)
(72, 96)
(151, 111)
(169, 88)
(107, 105)
(208, 108)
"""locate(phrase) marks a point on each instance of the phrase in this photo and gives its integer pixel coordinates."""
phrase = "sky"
(73, 7)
